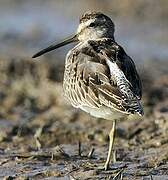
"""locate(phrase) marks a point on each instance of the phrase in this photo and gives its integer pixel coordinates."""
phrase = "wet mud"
(43, 137)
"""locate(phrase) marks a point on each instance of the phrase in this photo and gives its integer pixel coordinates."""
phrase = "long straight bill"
(55, 46)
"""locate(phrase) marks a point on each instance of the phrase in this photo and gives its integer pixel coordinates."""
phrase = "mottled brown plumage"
(87, 79)
(100, 78)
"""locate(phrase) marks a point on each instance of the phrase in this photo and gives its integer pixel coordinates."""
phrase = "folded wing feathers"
(97, 80)
(130, 100)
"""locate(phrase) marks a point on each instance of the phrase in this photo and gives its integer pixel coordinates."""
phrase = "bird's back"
(101, 79)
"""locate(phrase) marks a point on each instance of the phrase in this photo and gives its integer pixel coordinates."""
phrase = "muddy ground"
(43, 137)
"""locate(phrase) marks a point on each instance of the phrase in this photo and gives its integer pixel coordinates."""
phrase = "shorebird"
(100, 78)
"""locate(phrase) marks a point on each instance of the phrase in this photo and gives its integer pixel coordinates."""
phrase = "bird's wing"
(126, 64)
(100, 80)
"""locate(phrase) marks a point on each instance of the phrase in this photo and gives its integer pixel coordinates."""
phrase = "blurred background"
(31, 98)
(141, 26)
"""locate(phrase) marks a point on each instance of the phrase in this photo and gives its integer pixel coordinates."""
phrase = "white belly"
(103, 112)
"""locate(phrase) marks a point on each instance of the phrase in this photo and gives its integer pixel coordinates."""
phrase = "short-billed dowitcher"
(100, 78)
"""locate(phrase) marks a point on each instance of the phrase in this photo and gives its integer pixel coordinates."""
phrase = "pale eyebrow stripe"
(84, 25)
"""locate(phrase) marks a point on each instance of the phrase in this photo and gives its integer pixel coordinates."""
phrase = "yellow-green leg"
(111, 143)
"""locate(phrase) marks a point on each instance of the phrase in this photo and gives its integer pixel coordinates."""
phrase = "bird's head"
(93, 25)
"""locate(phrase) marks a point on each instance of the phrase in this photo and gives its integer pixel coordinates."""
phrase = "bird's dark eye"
(92, 24)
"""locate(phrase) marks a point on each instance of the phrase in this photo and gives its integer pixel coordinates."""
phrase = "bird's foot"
(106, 166)
(103, 168)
